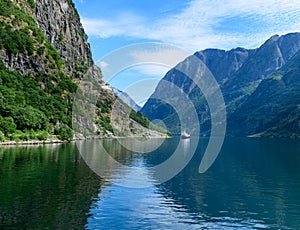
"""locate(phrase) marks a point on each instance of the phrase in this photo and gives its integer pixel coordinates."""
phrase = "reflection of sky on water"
(123, 161)
(123, 208)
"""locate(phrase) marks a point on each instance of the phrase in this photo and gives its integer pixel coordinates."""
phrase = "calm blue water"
(253, 184)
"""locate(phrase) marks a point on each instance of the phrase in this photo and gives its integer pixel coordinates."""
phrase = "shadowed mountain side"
(274, 107)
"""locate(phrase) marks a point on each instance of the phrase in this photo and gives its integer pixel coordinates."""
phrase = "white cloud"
(160, 54)
(200, 24)
(103, 64)
(116, 27)
(152, 70)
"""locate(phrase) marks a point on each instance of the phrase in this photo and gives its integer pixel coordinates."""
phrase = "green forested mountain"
(260, 89)
(273, 109)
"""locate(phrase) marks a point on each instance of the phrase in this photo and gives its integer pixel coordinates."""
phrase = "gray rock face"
(22, 63)
(223, 64)
(61, 25)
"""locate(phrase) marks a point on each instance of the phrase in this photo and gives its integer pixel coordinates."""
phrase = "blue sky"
(190, 25)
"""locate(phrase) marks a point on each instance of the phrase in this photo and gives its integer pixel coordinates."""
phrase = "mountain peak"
(274, 38)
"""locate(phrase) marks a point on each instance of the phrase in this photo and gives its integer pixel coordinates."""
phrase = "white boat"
(185, 135)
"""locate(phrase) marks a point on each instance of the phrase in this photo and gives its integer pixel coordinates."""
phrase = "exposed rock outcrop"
(61, 25)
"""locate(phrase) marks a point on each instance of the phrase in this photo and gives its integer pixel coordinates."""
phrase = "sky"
(191, 25)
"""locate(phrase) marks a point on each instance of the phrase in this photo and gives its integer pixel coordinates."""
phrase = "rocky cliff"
(60, 25)
(223, 64)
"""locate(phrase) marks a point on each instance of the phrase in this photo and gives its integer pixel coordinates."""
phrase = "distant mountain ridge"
(127, 99)
(241, 74)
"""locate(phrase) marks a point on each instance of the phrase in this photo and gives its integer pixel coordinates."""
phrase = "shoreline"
(32, 142)
(57, 141)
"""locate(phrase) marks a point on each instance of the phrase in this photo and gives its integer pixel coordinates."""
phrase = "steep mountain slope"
(271, 56)
(61, 25)
(239, 72)
(274, 107)
(224, 64)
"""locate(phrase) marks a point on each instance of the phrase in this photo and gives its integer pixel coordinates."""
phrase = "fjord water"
(253, 184)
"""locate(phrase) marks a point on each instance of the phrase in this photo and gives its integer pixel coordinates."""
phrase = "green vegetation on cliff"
(34, 104)
(20, 34)
(273, 110)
